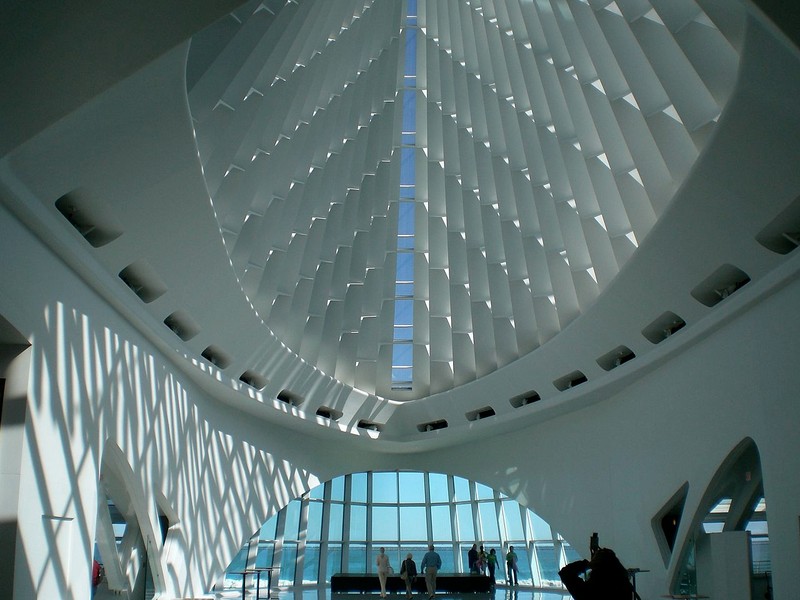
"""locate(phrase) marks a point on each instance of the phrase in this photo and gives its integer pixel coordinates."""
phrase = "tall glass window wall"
(339, 526)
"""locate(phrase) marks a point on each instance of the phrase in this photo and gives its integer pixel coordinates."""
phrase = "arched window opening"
(338, 527)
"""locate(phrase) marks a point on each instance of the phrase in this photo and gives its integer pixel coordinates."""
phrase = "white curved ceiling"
(549, 138)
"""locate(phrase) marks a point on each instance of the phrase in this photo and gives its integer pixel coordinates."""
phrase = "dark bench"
(445, 582)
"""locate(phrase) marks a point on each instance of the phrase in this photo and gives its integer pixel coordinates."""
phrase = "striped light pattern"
(550, 136)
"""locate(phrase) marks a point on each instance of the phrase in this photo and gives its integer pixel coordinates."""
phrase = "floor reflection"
(324, 593)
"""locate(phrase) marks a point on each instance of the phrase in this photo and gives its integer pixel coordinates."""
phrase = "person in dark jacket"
(409, 569)
(607, 578)
(472, 558)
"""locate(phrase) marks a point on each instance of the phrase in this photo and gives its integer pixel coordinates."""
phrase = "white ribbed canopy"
(550, 136)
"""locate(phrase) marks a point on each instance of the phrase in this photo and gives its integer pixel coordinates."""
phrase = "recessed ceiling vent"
(432, 426)
(570, 381)
(481, 413)
(143, 280)
(663, 327)
(782, 234)
(90, 218)
(329, 413)
(525, 399)
(182, 325)
(290, 398)
(618, 356)
(720, 284)
(369, 425)
(217, 357)
(254, 380)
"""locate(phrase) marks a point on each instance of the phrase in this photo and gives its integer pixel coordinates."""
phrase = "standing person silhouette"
(607, 579)
(491, 562)
(382, 561)
(472, 558)
(430, 565)
(511, 564)
(409, 569)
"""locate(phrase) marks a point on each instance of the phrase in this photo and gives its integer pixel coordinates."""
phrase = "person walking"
(511, 566)
(382, 561)
(430, 565)
(491, 562)
(408, 573)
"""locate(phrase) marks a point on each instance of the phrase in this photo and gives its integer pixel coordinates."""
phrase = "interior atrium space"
(285, 282)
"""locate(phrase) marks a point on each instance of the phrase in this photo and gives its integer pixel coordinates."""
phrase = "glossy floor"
(324, 593)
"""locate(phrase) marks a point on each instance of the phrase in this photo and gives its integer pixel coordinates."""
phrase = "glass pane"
(288, 563)
(404, 312)
(412, 488)
(402, 358)
(336, 513)
(448, 558)
(384, 487)
(411, 51)
(524, 564)
(358, 487)
(438, 485)
(548, 563)
(440, 520)
(489, 529)
(413, 524)
(291, 528)
(405, 272)
(466, 528)
(405, 217)
(402, 378)
(409, 113)
(358, 522)
(337, 489)
(405, 243)
(571, 554)
(317, 493)
(483, 492)
(268, 528)
(311, 563)
(384, 523)
(404, 289)
(461, 486)
(357, 558)
(334, 562)
(513, 520)
(407, 172)
(408, 139)
(314, 526)
(541, 530)
(265, 554)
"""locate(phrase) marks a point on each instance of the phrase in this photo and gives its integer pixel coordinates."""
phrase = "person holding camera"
(607, 579)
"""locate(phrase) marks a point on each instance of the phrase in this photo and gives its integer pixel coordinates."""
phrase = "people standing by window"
(491, 563)
(472, 558)
(382, 561)
(511, 566)
(408, 573)
(430, 565)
